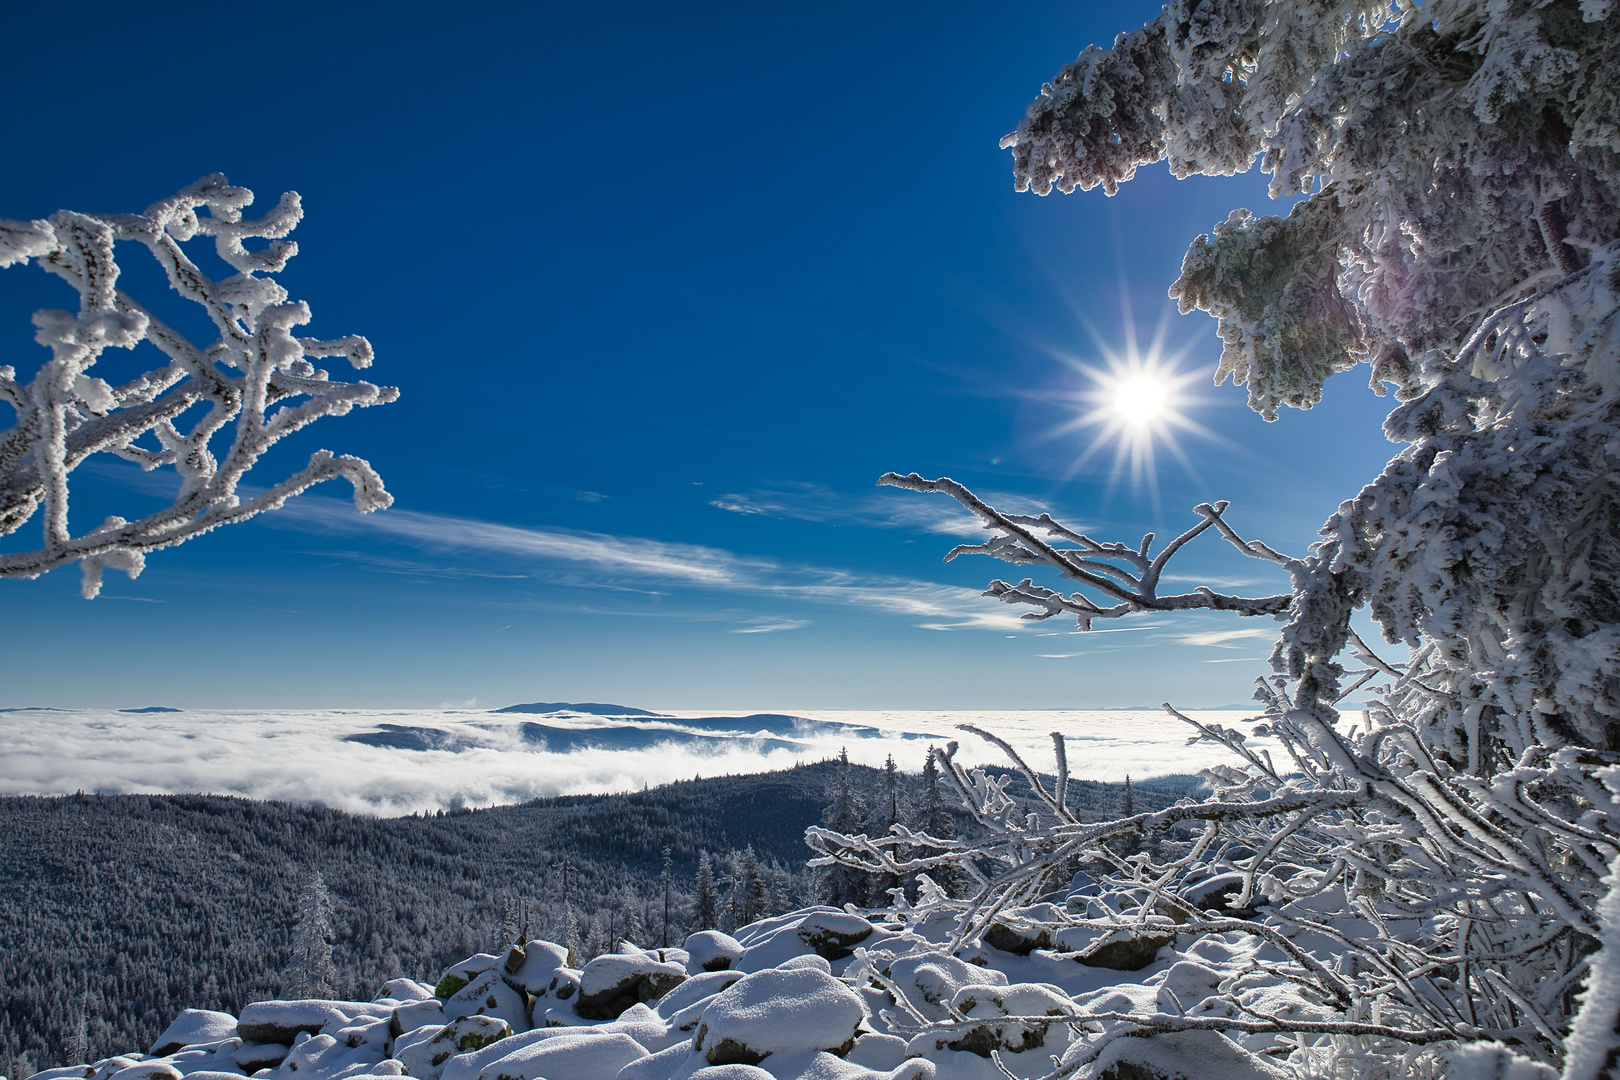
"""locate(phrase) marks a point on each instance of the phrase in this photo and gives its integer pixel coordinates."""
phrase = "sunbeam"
(1134, 400)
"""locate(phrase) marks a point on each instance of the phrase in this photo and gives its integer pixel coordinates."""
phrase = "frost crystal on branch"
(251, 386)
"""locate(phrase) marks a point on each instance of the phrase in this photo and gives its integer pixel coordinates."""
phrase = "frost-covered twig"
(253, 385)
(1129, 577)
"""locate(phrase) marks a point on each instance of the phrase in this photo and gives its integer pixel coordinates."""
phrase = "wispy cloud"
(771, 626)
(1219, 638)
(1217, 581)
(618, 561)
(883, 509)
(1113, 630)
(1237, 660)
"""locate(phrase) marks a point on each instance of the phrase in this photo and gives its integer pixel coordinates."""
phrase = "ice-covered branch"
(249, 388)
(1126, 579)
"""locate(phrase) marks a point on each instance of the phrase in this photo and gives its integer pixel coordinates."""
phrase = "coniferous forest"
(144, 905)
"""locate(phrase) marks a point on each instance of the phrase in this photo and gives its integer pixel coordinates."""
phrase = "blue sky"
(665, 288)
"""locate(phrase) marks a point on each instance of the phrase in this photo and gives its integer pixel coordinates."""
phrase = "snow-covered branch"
(1125, 579)
(250, 387)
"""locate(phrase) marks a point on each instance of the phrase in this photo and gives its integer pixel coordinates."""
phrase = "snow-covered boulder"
(251, 1057)
(1184, 1055)
(194, 1026)
(611, 984)
(563, 986)
(833, 934)
(101, 1070)
(695, 991)
(489, 994)
(531, 965)
(579, 1054)
(644, 1025)
(415, 1014)
(424, 1052)
(877, 1052)
(710, 950)
(991, 1005)
(147, 1070)
(664, 1064)
(399, 991)
(459, 974)
(930, 979)
(1116, 950)
(323, 1056)
(372, 1031)
(770, 1012)
(206, 1059)
(283, 1021)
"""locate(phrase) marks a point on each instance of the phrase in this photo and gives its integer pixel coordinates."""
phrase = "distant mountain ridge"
(591, 708)
(638, 729)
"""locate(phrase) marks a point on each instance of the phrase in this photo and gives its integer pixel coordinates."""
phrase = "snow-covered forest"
(147, 905)
(1425, 890)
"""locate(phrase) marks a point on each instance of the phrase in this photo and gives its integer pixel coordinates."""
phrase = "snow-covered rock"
(206, 1058)
(324, 1056)
(833, 934)
(194, 1026)
(148, 1070)
(787, 1012)
(459, 974)
(425, 1051)
(991, 1005)
(694, 992)
(710, 950)
(282, 1021)
(531, 965)
(489, 994)
(582, 1054)
(930, 979)
(1184, 1055)
(415, 1014)
(399, 991)
(609, 985)
(251, 1057)
(770, 1012)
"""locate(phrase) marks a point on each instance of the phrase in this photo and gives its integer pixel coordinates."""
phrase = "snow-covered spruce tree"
(1440, 875)
(839, 882)
(934, 819)
(308, 973)
(706, 901)
(248, 388)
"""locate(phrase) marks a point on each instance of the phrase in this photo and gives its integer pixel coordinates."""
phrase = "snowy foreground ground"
(813, 995)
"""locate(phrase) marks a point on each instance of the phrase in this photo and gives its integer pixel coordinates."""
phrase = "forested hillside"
(126, 909)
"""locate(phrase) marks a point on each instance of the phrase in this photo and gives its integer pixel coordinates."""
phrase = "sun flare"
(1139, 399)
(1135, 401)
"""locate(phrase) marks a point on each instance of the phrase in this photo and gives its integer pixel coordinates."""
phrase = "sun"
(1139, 399)
(1135, 401)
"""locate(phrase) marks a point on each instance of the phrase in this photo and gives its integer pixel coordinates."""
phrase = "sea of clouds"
(496, 758)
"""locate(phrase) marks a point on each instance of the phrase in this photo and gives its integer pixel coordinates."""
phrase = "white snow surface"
(783, 1013)
(301, 756)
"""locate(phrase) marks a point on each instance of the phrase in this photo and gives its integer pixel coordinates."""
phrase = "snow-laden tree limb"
(1126, 578)
(251, 386)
